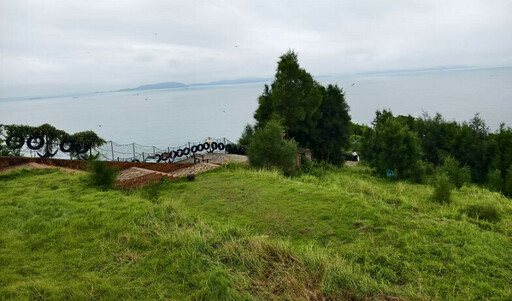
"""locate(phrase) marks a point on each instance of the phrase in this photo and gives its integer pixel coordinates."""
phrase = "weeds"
(101, 175)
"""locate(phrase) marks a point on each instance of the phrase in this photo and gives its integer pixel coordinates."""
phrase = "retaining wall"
(78, 164)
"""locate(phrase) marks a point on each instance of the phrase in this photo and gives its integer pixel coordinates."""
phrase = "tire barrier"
(200, 148)
(186, 151)
(193, 149)
(179, 153)
(35, 142)
(221, 146)
(206, 146)
(229, 148)
(15, 141)
(214, 145)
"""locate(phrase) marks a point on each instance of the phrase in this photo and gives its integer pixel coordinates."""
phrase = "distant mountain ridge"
(170, 85)
(166, 85)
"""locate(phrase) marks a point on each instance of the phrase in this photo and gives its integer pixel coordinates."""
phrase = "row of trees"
(413, 147)
(296, 111)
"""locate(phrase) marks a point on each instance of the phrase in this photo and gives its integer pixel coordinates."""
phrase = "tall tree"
(333, 127)
(293, 98)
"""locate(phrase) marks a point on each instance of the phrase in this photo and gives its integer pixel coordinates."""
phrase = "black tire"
(214, 145)
(193, 149)
(229, 148)
(243, 150)
(35, 142)
(82, 148)
(200, 148)
(135, 160)
(179, 153)
(15, 141)
(186, 151)
(174, 154)
(158, 158)
(221, 146)
(66, 145)
(206, 146)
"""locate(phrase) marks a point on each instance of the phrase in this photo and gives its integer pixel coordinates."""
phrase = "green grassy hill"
(242, 234)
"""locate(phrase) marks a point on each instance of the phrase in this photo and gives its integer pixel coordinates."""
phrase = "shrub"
(442, 188)
(269, 149)
(456, 174)
(101, 175)
(485, 212)
(494, 180)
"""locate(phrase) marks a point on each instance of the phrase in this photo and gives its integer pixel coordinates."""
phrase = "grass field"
(242, 234)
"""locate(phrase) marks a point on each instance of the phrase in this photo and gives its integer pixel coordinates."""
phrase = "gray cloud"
(94, 45)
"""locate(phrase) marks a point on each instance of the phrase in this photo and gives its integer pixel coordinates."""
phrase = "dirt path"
(195, 169)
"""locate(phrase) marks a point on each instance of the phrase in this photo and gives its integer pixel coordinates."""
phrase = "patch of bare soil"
(38, 165)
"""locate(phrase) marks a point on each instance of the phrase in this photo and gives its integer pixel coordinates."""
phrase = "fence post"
(112, 148)
(143, 157)
(154, 153)
(133, 147)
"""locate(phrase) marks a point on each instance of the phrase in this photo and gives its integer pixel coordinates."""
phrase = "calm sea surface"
(175, 116)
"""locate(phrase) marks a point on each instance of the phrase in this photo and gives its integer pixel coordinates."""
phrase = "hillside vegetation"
(244, 234)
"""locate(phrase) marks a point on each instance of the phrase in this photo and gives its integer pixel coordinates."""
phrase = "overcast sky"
(54, 46)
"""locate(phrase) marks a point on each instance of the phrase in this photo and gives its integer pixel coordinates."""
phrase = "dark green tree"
(332, 132)
(393, 146)
(268, 148)
(293, 98)
(247, 134)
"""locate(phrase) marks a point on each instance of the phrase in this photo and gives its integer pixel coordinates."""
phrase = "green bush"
(442, 189)
(494, 180)
(485, 212)
(101, 175)
(456, 174)
(269, 149)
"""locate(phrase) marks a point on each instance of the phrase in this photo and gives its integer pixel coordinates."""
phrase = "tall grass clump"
(442, 188)
(457, 175)
(487, 212)
(101, 175)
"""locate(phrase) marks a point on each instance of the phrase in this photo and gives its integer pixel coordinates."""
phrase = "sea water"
(175, 116)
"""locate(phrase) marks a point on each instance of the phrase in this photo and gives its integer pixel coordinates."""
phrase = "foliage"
(332, 132)
(392, 145)
(51, 136)
(294, 99)
(268, 148)
(101, 175)
(247, 134)
(507, 189)
(495, 181)
(458, 175)
(88, 139)
(483, 211)
(442, 188)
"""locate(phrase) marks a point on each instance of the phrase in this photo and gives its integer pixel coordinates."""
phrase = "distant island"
(170, 85)
(166, 85)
